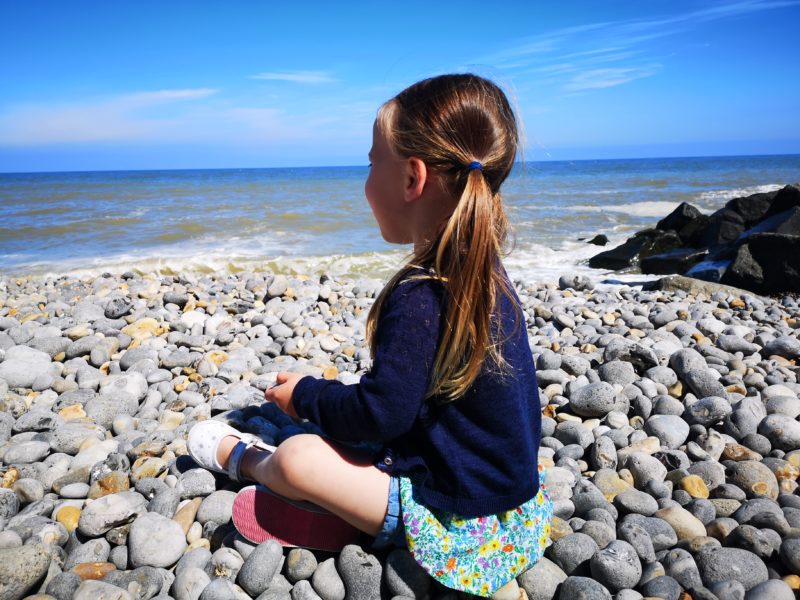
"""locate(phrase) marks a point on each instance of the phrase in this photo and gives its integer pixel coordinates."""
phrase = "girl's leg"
(308, 467)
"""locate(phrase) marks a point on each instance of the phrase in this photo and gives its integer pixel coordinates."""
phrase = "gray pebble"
(217, 507)
(100, 590)
(721, 564)
(680, 565)
(634, 501)
(225, 562)
(92, 551)
(260, 567)
(196, 558)
(63, 586)
(728, 590)
(616, 566)
(327, 583)
(196, 482)
(302, 590)
(772, 589)
(593, 400)
(9, 503)
(541, 581)
(404, 576)
(662, 587)
(109, 511)
(189, 583)
(21, 569)
(790, 554)
(583, 588)
(155, 541)
(223, 589)
(782, 431)
(361, 573)
(573, 552)
(300, 564)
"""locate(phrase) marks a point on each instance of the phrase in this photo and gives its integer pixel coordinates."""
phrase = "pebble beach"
(670, 436)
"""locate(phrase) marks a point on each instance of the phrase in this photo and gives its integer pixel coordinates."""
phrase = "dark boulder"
(687, 221)
(642, 244)
(768, 263)
(752, 208)
(678, 260)
(724, 226)
(598, 240)
(786, 222)
(785, 198)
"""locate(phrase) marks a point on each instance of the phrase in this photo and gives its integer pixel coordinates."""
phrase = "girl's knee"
(294, 458)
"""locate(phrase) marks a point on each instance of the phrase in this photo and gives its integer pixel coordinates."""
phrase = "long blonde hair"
(449, 122)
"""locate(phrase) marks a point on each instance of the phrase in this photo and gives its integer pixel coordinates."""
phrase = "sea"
(315, 220)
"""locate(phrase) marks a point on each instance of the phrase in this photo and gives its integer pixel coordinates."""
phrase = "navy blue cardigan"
(474, 456)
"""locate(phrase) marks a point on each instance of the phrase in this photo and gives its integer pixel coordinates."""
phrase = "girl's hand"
(281, 392)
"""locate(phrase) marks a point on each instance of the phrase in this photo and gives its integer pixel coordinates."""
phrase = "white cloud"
(118, 118)
(615, 53)
(309, 77)
(596, 79)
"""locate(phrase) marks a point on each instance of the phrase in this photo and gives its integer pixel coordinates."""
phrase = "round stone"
(329, 586)
(782, 430)
(155, 541)
(217, 507)
(593, 400)
(572, 551)
(634, 501)
(260, 567)
(722, 564)
(541, 581)
(616, 566)
(583, 588)
(671, 430)
(754, 478)
(694, 486)
(361, 573)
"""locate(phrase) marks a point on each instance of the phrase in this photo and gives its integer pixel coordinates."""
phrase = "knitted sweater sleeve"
(387, 399)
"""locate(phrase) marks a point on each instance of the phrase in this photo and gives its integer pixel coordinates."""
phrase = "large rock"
(723, 564)
(21, 569)
(155, 541)
(687, 221)
(23, 365)
(642, 244)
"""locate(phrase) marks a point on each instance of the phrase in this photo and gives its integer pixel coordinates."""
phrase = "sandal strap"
(235, 459)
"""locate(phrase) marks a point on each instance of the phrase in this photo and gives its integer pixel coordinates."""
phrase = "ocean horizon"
(310, 220)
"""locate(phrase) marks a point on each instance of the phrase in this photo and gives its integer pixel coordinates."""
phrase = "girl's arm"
(387, 400)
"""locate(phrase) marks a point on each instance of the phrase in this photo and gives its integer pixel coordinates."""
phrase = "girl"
(452, 395)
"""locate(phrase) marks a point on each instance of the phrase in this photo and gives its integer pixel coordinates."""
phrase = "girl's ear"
(416, 177)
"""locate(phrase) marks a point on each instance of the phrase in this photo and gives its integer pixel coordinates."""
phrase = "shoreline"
(670, 432)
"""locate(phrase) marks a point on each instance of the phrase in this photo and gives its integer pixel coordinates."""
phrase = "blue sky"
(143, 85)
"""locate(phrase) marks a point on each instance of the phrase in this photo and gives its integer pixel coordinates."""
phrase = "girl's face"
(384, 190)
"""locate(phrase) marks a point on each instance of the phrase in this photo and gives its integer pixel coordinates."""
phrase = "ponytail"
(436, 120)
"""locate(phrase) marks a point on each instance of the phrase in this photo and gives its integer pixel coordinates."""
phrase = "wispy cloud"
(123, 117)
(201, 115)
(602, 55)
(595, 79)
(307, 77)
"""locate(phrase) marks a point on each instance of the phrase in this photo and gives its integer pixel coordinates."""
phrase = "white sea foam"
(721, 196)
(638, 209)
(528, 262)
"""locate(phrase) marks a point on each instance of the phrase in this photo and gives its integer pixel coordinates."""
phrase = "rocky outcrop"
(753, 242)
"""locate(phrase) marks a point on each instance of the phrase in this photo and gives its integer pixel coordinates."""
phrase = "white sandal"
(204, 439)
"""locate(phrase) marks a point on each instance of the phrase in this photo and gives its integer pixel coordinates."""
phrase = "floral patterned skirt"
(477, 555)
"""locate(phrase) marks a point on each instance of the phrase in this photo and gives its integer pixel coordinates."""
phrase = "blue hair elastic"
(476, 165)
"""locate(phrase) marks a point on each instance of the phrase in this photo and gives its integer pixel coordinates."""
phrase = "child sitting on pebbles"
(451, 397)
